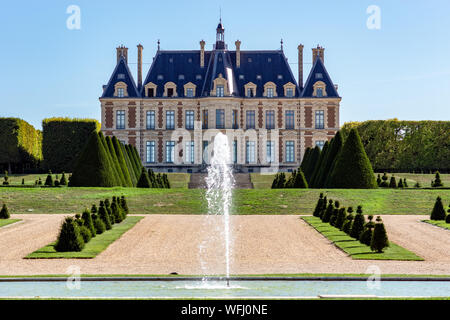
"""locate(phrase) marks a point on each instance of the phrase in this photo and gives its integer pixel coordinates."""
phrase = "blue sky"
(399, 71)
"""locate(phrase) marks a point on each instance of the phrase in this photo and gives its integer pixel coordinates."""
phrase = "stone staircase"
(242, 181)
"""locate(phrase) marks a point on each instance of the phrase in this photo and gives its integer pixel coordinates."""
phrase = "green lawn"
(264, 181)
(93, 247)
(5, 222)
(439, 223)
(192, 201)
(177, 180)
(354, 248)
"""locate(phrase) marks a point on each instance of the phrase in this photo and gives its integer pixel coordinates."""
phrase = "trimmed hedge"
(63, 140)
(21, 145)
(405, 146)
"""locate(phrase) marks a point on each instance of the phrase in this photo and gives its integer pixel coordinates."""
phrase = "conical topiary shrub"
(379, 180)
(300, 180)
(438, 212)
(104, 216)
(348, 224)
(281, 180)
(124, 205)
(312, 163)
(115, 212)
(405, 184)
(166, 180)
(366, 235)
(437, 182)
(384, 179)
(318, 207)
(92, 168)
(274, 182)
(320, 163)
(358, 224)
(63, 180)
(393, 183)
(144, 181)
(5, 179)
(49, 180)
(353, 169)
(333, 152)
(4, 213)
(328, 212)
(85, 233)
(379, 237)
(87, 221)
(69, 238)
(341, 217)
(98, 224)
(400, 183)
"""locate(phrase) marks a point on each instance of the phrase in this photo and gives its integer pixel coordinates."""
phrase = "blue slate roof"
(319, 73)
(121, 74)
(258, 67)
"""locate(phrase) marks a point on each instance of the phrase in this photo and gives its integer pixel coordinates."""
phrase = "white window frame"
(150, 151)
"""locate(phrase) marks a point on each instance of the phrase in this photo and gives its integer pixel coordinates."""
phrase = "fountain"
(219, 184)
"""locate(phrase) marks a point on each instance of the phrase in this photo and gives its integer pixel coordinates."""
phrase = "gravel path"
(192, 244)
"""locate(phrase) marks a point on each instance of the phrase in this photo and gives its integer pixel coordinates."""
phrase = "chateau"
(189, 96)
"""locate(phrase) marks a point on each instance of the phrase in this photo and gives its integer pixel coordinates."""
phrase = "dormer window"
(258, 77)
(241, 77)
(319, 89)
(280, 77)
(150, 90)
(181, 77)
(121, 76)
(269, 59)
(319, 76)
(120, 90)
(160, 77)
(198, 77)
(190, 60)
(220, 87)
(189, 90)
(249, 59)
(219, 91)
(170, 60)
(289, 90)
(250, 90)
(270, 90)
(170, 90)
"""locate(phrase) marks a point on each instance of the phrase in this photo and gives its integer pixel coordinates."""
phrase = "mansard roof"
(121, 74)
(258, 67)
(319, 73)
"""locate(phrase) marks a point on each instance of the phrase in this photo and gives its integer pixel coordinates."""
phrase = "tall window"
(219, 91)
(250, 152)
(120, 92)
(320, 119)
(170, 151)
(220, 119)
(235, 119)
(151, 120)
(234, 151)
(320, 143)
(189, 151)
(205, 119)
(189, 92)
(250, 119)
(270, 119)
(170, 120)
(290, 151)
(120, 119)
(270, 151)
(289, 92)
(189, 119)
(150, 154)
(250, 92)
(290, 119)
(269, 92)
(205, 151)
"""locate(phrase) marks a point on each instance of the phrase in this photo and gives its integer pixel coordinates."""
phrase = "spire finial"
(281, 44)
(220, 14)
(159, 42)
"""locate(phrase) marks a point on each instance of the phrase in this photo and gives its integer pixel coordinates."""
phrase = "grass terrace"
(5, 222)
(93, 247)
(357, 250)
(439, 223)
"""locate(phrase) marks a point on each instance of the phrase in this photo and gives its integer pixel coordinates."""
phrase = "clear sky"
(401, 70)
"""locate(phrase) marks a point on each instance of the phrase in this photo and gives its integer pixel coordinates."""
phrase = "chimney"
(300, 65)
(122, 51)
(139, 66)
(202, 53)
(238, 53)
(318, 52)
